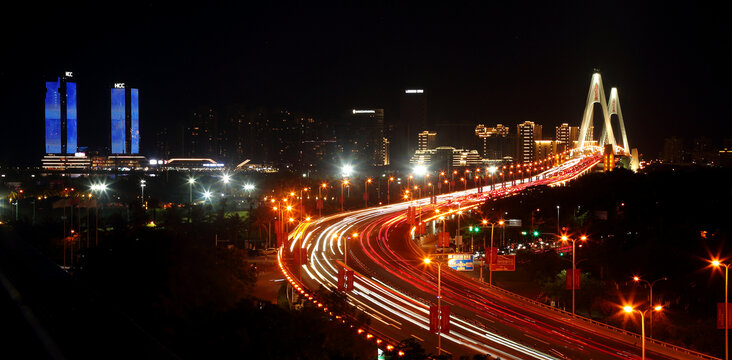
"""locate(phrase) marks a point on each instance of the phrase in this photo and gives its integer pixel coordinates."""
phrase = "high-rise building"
(566, 136)
(412, 119)
(673, 150)
(363, 137)
(545, 148)
(426, 140)
(60, 115)
(494, 143)
(125, 120)
(527, 134)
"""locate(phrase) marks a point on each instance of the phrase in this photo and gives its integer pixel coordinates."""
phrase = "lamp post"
(629, 310)
(343, 183)
(302, 208)
(190, 197)
(650, 297)
(558, 219)
(142, 192)
(366, 192)
(717, 264)
(388, 190)
(566, 238)
(320, 198)
(439, 303)
(490, 257)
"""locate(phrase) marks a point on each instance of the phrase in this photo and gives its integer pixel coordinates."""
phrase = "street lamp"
(343, 183)
(320, 198)
(347, 170)
(366, 192)
(566, 238)
(142, 190)
(629, 309)
(190, 196)
(490, 257)
(388, 191)
(428, 261)
(716, 263)
(650, 297)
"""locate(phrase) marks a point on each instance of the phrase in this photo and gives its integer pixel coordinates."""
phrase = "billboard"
(118, 121)
(134, 123)
(504, 263)
(71, 118)
(460, 262)
(53, 117)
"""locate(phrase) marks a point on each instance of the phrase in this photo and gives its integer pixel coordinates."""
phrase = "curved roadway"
(395, 288)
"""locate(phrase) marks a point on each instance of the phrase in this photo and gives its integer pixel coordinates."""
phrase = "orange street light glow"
(427, 260)
(628, 309)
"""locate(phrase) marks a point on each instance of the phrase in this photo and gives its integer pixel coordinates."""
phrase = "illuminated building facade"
(125, 116)
(494, 143)
(566, 136)
(364, 137)
(426, 140)
(527, 134)
(60, 115)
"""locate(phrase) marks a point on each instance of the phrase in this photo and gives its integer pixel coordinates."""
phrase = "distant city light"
(420, 170)
(249, 187)
(364, 111)
(347, 170)
(414, 91)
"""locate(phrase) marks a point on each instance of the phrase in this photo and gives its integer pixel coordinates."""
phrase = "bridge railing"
(603, 325)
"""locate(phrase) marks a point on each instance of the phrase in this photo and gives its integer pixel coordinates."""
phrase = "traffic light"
(536, 233)
(523, 233)
(470, 228)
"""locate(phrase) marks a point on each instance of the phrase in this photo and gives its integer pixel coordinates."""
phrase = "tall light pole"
(343, 183)
(439, 304)
(345, 247)
(320, 198)
(566, 238)
(558, 229)
(717, 264)
(302, 208)
(629, 310)
(492, 171)
(388, 191)
(190, 197)
(650, 297)
(485, 250)
(366, 183)
(142, 192)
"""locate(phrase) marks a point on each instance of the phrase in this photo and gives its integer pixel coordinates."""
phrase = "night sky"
(478, 63)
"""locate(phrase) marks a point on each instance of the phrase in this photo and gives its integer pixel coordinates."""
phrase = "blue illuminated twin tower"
(61, 121)
(61, 115)
(125, 120)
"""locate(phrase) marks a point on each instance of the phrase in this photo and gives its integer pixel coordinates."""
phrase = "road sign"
(460, 262)
(504, 263)
(513, 222)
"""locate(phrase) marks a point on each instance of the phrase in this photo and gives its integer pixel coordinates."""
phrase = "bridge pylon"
(613, 103)
(596, 94)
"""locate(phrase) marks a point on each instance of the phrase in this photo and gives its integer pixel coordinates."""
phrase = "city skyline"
(467, 83)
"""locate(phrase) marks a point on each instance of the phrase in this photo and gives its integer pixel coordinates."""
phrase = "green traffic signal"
(536, 233)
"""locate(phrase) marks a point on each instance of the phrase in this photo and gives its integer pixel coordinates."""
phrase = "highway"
(395, 288)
